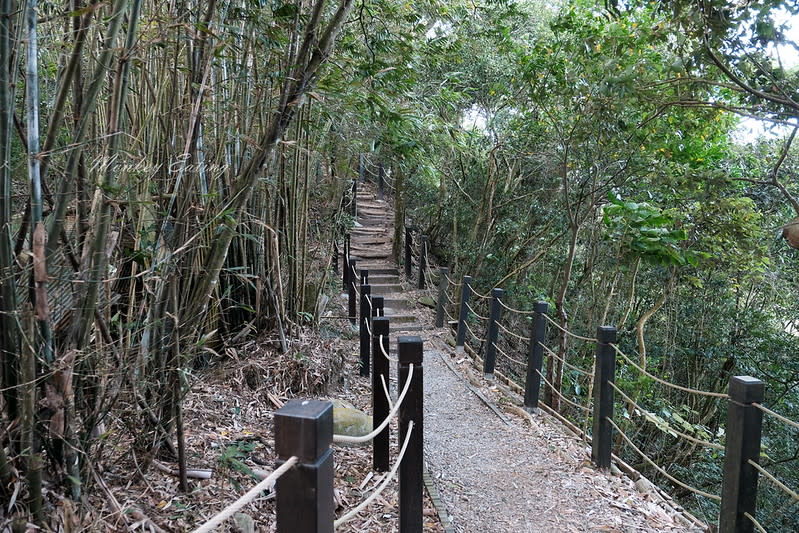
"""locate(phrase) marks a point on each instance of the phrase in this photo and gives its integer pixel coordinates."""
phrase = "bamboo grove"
(161, 164)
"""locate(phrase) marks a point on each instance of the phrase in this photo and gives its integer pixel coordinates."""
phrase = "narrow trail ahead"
(495, 468)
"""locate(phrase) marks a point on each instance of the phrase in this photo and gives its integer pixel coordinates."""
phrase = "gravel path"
(519, 475)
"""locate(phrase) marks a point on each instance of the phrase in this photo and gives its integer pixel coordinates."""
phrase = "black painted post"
(380, 181)
(378, 305)
(744, 427)
(364, 276)
(408, 244)
(345, 272)
(352, 278)
(605, 373)
(411, 484)
(495, 310)
(423, 262)
(443, 285)
(380, 328)
(366, 322)
(353, 207)
(304, 428)
(466, 292)
(535, 355)
(335, 257)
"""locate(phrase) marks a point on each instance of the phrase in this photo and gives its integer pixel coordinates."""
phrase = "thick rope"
(361, 506)
(755, 523)
(385, 354)
(566, 363)
(512, 334)
(768, 475)
(512, 310)
(671, 429)
(470, 330)
(664, 382)
(569, 333)
(368, 328)
(660, 469)
(562, 397)
(481, 296)
(777, 415)
(253, 493)
(452, 281)
(481, 317)
(508, 357)
(346, 439)
(385, 391)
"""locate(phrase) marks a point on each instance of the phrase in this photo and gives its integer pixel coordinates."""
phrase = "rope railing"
(475, 313)
(653, 464)
(663, 381)
(568, 365)
(383, 351)
(649, 416)
(361, 506)
(346, 439)
(474, 335)
(779, 484)
(481, 296)
(755, 523)
(511, 333)
(560, 395)
(512, 310)
(230, 510)
(778, 416)
(508, 357)
(452, 281)
(568, 332)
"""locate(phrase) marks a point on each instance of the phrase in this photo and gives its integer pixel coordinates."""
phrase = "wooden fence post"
(380, 181)
(423, 263)
(466, 292)
(335, 256)
(380, 409)
(604, 374)
(345, 271)
(378, 305)
(364, 276)
(365, 326)
(304, 428)
(353, 205)
(411, 483)
(443, 285)
(495, 312)
(535, 355)
(743, 431)
(352, 278)
(408, 245)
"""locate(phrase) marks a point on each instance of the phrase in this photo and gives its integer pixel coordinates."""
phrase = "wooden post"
(352, 280)
(365, 325)
(378, 306)
(743, 431)
(345, 271)
(466, 292)
(380, 444)
(380, 181)
(364, 276)
(535, 355)
(353, 205)
(423, 263)
(604, 374)
(335, 256)
(495, 312)
(408, 245)
(304, 428)
(443, 285)
(411, 483)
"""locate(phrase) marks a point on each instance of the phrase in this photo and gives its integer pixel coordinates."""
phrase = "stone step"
(382, 279)
(400, 319)
(379, 270)
(396, 303)
(408, 327)
(386, 288)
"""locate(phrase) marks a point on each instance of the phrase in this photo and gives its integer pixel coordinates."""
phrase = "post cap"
(746, 389)
(303, 428)
(467, 279)
(410, 349)
(541, 307)
(606, 334)
(380, 326)
(497, 293)
(443, 270)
